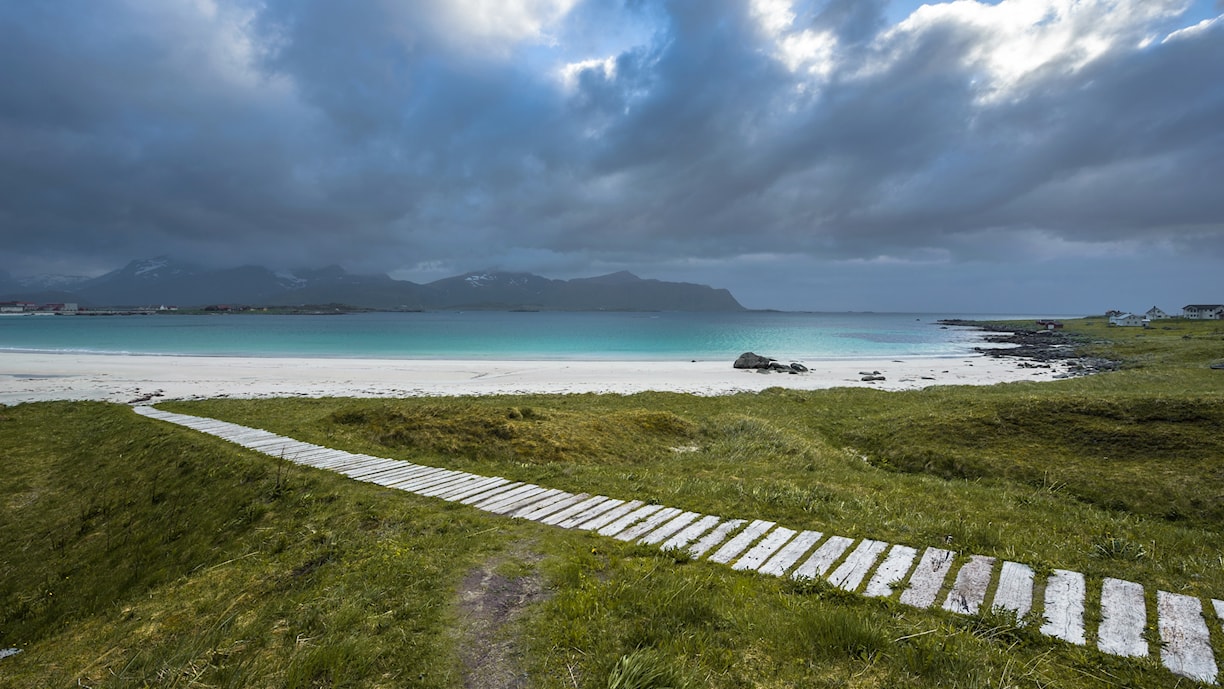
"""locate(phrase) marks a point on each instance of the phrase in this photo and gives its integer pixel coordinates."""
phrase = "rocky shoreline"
(1038, 348)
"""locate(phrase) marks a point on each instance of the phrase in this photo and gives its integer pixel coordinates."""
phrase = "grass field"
(137, 554)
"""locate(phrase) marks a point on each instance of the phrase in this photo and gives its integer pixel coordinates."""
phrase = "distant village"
(26, 308)
(1195, 312)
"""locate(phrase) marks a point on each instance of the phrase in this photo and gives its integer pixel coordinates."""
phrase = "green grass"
(133, 553)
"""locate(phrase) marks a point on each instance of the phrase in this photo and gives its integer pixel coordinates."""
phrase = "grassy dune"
(136, 554)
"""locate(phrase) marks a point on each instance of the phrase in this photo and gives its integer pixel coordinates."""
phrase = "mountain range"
(163, 281)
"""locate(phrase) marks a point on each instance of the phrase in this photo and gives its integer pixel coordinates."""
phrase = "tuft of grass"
(644, 669)
(834, 632)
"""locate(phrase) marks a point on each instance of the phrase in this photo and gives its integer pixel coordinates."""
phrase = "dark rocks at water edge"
(764, 364)
(1039, 348)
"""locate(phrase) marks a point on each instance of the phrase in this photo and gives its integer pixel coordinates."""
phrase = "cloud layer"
(754, 141)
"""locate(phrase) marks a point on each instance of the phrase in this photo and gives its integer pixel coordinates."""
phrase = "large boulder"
(751, 360)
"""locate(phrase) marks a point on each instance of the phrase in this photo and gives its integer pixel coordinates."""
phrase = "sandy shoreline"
(33, 377)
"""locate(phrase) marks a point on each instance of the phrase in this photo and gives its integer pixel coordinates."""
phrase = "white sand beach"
(33, 377)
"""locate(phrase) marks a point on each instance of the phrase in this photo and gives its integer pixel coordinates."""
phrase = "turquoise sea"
(500, 335)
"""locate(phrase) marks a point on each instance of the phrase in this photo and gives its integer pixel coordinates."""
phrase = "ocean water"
(501, 335)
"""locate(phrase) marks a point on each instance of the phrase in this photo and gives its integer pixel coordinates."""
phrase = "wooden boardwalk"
(969, 583)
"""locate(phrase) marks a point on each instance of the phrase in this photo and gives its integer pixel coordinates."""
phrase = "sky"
(1014, 156)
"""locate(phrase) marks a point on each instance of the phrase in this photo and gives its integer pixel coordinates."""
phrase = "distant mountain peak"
(155, 268)
(620, 277)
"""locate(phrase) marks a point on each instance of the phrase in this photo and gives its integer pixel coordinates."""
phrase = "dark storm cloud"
(447, 136)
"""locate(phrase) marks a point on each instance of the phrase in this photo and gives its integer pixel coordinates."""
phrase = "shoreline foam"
(27, 377)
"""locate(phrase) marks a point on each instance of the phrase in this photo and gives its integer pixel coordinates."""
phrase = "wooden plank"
(928, 578)
(361, 472)
(624, 522)
(850, 574)
(649, 524)
(753, 559)
(1186, 641)
(464, 491)
(461, 481)
(338, 459)
(312, 456)
(1064, 606)
(499, 503)
(823, 558)
(397, 476)
(504, 495)
(715, 537)
(421, 482)
(370, 468)
(1015, 590)
(1123, 617)
(742, 540)
(690, 533)
(790, 554)
(414, 478)
(550, 506)
(969, 591)
(610, 516)
(891, 572)
(589, 514)
(669, 528)
(389, 475)
(558, 517)
(492, 492)
(526, 501)
(524, 491)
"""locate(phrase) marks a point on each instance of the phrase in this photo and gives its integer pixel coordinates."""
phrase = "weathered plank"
(523, 501)
(669, 528)
(690, 533)
(364, 470)
(1123, 617)
(753, 559)
(823, 558)
(619, 525)
(1015, 590)
(742, 540)
(514, 497)
(850, 574)
(422, 482)
(397, 476)
(456, 494)
(455, 481)
(492, 492)
(1064, 606)
(1186, 641)
(417, 477)
(337, 459)
(508, 495)
(892, 571)
(928, 578)
(969, 591)
(715, 537)
(558, 517)
(610, 516)
(790, 554)
(647, 525)
(588, 514)
(550, 506)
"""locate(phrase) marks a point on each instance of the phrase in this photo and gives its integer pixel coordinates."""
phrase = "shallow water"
(501, 335)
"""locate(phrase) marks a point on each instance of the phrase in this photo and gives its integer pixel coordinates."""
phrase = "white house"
(1129, 320)
(1155, 314)
(1204, 312)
